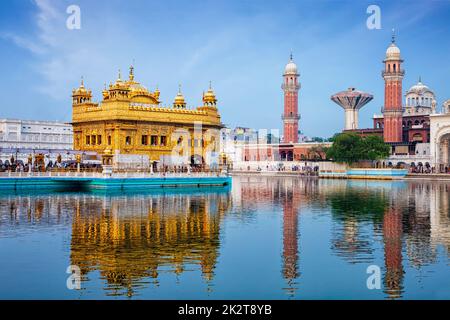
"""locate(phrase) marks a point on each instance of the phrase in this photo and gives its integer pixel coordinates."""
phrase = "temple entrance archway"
(290, 156)
(440, 141)
(443, 152)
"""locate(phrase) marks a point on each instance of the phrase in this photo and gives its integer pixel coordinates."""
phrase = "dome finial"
(291, 57)
(420, 78)
(131, 76)
(120, 76)
(179, 88)
(82, 81)
(210, 85)
(393, 35)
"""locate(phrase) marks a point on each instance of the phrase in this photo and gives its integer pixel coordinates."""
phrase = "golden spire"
(156, 93)
(131, 77)
(82, 82)
(105, 91)
(119, 77)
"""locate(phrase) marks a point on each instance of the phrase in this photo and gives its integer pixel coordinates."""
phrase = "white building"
(419, 100)
(231, 141)
(22, 137)
(440, 138)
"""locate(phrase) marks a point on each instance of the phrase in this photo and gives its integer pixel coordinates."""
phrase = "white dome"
(419, 88)
(393, 52)
(291, 67)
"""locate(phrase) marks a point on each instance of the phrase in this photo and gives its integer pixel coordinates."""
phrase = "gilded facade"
(131, 120)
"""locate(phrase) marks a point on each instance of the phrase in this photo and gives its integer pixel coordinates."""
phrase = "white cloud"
(49, 20)
(24, 43)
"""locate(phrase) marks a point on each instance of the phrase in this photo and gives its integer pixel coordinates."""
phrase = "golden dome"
(81, 90)
(179, 99)
(209, 97)
(137, 88)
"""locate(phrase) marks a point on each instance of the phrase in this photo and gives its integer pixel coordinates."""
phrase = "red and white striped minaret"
(393, 110)
(290, 116)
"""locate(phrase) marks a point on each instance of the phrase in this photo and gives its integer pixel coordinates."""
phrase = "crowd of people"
(428, 169)
(13, 165)
(282, 168)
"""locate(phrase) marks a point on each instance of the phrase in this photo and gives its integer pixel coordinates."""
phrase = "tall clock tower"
(393, 111)
(290, 116)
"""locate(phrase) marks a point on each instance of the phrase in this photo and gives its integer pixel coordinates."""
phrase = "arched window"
(417, 137)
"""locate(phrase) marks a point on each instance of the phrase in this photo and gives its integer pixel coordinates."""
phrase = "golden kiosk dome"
(179, 101)
(81, 94)
(209, 98)
(81, 90)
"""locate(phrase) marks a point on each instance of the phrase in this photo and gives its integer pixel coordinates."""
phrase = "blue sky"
(241, 46)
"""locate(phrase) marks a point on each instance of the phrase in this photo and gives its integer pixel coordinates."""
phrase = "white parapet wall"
(288, 166)
(131, 161)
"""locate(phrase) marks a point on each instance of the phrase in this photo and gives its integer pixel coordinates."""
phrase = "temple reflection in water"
(129, 241)
(131, 238)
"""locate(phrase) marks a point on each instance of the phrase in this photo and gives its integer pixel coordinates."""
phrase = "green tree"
(316, 153)
(317, 139)
(350, 148)
(374, 148)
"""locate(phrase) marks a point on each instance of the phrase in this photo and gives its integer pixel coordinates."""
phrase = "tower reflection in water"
(289, 195)
(412, 219)
(130, 238)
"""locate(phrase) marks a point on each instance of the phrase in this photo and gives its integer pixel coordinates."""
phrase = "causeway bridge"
(75, 181)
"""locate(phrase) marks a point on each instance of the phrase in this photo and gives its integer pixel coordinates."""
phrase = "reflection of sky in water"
(265, 238)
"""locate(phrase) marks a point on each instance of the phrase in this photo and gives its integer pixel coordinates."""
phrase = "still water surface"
(265, 238)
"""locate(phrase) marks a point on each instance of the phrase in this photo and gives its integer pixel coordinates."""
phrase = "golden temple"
(131, 120)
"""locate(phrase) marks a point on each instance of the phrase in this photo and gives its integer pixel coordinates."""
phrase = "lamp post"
(78, 160)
